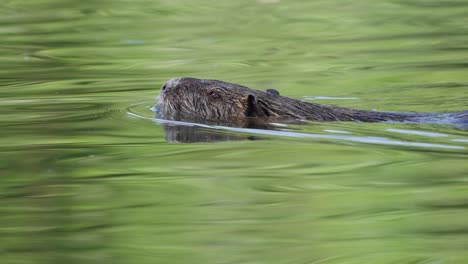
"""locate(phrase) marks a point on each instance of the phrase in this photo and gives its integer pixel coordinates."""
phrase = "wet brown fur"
(221, 101)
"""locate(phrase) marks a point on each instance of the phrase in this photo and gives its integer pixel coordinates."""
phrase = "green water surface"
(88, 177)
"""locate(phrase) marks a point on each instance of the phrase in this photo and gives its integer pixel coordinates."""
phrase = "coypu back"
(214, 100)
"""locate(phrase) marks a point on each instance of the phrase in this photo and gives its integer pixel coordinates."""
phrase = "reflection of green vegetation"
(84, 182)
(194, 202)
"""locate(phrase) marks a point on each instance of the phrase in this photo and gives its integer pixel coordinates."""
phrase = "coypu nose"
(170, 84)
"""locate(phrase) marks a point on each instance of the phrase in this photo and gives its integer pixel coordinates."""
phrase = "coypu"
(218, 101)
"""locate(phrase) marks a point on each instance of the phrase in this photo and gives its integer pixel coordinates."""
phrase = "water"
(89, 176)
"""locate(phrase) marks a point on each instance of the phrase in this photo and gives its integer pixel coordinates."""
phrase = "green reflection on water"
(84, 181)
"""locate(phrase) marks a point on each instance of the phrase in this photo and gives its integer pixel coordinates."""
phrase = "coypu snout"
(170, 84)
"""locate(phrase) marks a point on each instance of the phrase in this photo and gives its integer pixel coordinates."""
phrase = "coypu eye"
(214, 95)
(164, 87)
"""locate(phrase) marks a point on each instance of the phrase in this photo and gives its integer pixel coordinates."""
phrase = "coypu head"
(210, 99)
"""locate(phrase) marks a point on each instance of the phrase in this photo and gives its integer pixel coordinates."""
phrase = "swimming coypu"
(218, 101)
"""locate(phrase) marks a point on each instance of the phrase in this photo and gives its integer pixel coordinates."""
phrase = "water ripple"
(367, 139)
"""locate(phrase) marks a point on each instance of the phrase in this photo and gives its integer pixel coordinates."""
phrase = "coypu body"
(219, 101)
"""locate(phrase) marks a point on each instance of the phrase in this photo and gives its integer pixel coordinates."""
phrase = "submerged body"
(213, 100)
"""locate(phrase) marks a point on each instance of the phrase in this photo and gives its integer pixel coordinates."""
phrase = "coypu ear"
(252, 109)
(273, 92)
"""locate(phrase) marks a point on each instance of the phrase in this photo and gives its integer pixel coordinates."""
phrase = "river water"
(89, 176)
